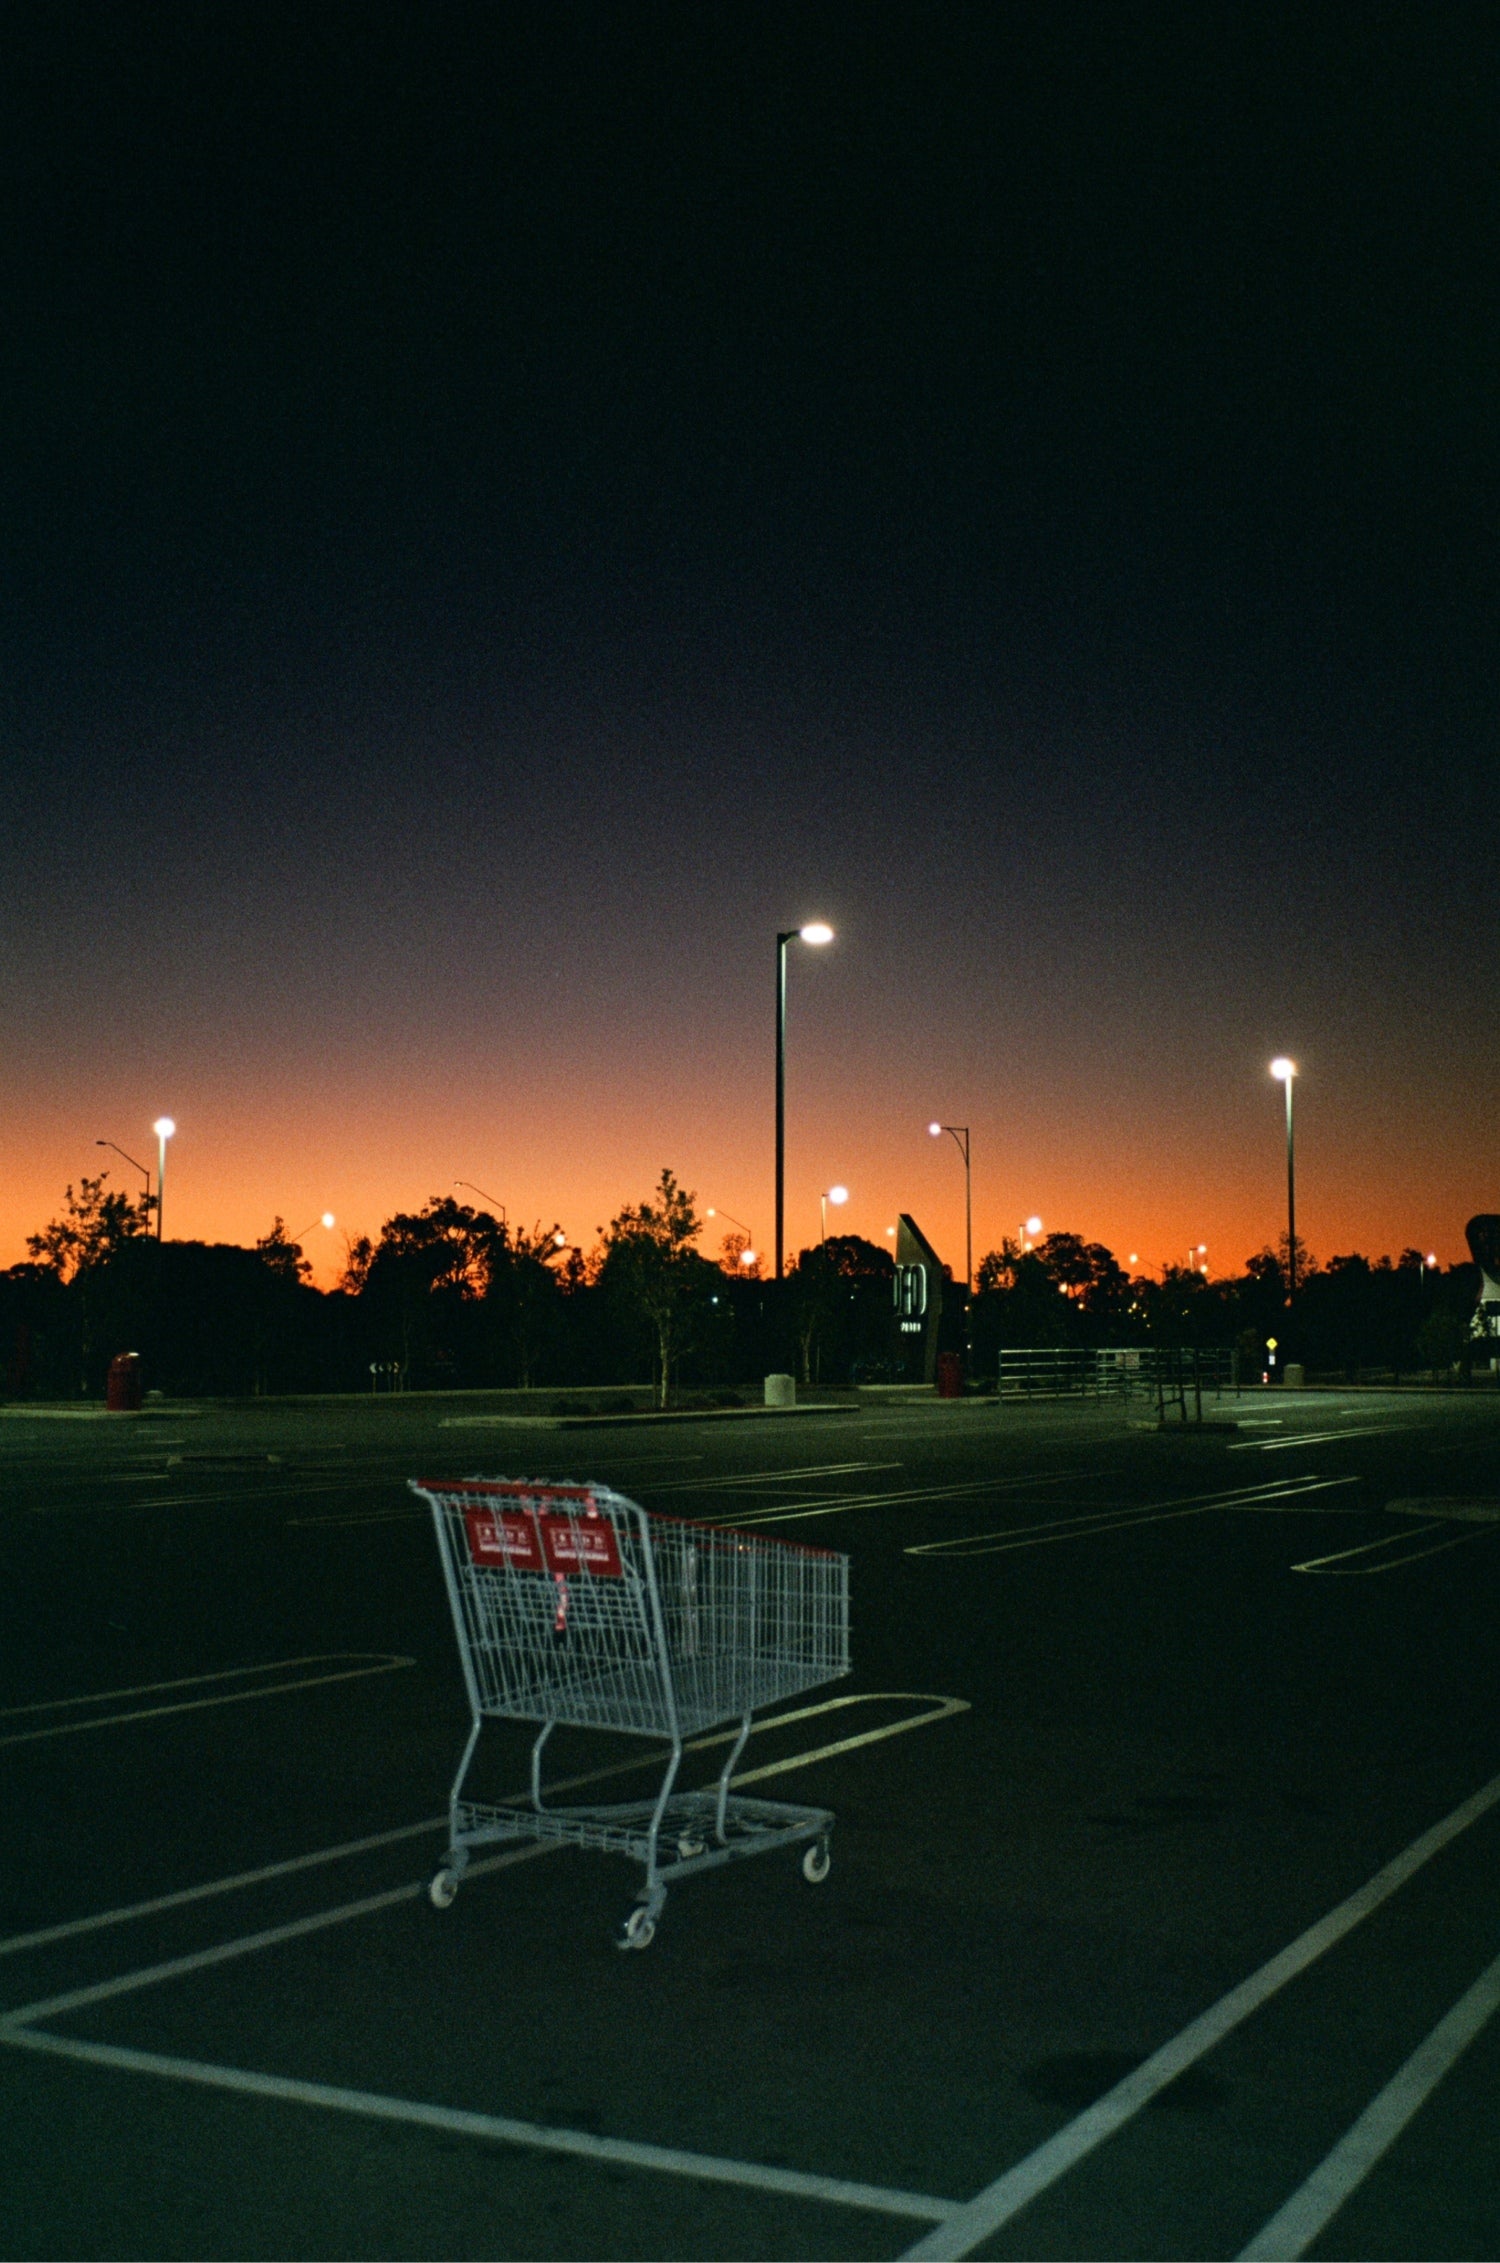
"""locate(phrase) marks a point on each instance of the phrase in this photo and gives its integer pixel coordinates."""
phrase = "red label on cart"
(506, 1538)
(582, 1544)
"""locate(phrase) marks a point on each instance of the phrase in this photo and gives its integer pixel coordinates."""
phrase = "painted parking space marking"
(1298, 2222)
(1087, 1522)
(786, 1512)
(768, 1477)
(1319, 1438)
(18, 2028)
(339, 1665)
(1395, 1551)
(1019, 2185)
(619, 2152)
(934, 1708)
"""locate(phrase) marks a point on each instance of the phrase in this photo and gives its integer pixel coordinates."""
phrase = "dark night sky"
(506, 507)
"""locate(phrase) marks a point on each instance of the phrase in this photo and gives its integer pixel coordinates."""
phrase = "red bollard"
(123, 1388)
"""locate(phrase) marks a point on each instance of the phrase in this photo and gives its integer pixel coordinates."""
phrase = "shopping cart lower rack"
(572, 1606)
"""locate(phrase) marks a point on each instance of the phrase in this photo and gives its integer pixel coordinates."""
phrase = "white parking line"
(1318, 1438)
(767, 1477)
(705, 2168)
(1294, 2227)
(938, 1709)
(1394, 1551)
(1019, 2186)
(1091, 1521)
(788, 1512)
(373, 1662)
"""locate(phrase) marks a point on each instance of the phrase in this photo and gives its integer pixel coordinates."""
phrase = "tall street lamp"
(835, 1195)
(325, 1218)
(163, 1128)
(815, 932)
(960, 1135)
(1285, 1072)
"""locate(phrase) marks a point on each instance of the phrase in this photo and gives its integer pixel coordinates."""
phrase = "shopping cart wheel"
(638, 1930)
(817, 1862)
(442, 1890)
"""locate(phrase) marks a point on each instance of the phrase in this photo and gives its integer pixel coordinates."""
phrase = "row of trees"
(452, 1296)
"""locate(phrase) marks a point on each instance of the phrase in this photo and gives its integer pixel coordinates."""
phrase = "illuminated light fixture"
(1285, 1072)
(163, 1128)
(748, 1257)
(327, 1219)
(835, 1195)
(815, 931)
(559, 1239)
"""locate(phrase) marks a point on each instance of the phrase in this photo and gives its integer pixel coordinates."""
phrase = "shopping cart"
(573, 1607)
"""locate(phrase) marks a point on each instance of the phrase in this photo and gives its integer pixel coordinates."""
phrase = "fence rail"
(1165, 1375)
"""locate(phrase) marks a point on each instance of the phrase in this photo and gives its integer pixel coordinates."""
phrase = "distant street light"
(1029, 1226)
(134, 1165)
(747, 1254)
(815, 932)
(1285, 1072)
(960, 1136)
(500, 1206)
(325, 1218)
(835, 1195)
(1198, 1260)
(163, 1128)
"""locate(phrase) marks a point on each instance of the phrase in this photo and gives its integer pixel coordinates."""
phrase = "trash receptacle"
(781, 1391)
(950, 1375)
(124, 1386)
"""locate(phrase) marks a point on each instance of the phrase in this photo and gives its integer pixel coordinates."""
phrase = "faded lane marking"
(1089, 1521)
(370, 1662)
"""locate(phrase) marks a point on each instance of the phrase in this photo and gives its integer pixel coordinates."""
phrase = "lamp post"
(959, 1133)
(134, 1165)
(163, 1128)
(835, 1195)
(325, 1218)
(747, 1254)
(815, 932)
(1029, 1226)
(473, 1189)
(1285, 1072)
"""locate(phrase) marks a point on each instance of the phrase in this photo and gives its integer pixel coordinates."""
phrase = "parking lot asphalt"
(1160, 1921)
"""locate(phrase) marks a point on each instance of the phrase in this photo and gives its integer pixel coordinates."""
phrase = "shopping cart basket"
(573, 1607)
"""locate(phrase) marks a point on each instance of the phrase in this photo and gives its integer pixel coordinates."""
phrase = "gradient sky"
(504, 508)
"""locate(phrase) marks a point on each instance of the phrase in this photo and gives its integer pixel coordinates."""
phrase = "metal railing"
(1172, 1378)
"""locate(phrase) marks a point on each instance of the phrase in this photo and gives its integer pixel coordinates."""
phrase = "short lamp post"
(959, 1133)
(163, 1128)
(815, 932)
(1285, 1072)
(837, 1196)
(747, 1254)
(324, 1218)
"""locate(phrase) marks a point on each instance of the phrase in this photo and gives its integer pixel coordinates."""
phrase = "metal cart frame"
(573, 1607)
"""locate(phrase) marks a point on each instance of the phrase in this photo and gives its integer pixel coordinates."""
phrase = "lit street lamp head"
(838, 1194)
(1283, 1070)
(936, 1130)
(164, 1127)
(817, 931)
